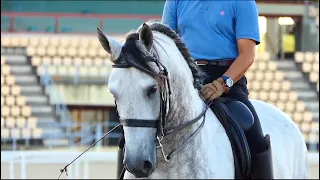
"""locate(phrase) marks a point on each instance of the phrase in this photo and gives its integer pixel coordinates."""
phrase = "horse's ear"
(103, 40)
(109, 44)
(146, 36)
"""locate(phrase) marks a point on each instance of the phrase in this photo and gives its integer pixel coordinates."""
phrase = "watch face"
(229, 82)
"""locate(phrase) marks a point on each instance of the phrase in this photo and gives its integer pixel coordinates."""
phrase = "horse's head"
(139, 83)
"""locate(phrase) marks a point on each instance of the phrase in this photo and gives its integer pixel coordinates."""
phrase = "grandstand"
(54, 73)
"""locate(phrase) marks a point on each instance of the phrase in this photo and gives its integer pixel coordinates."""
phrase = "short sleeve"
(169, 15)
(246, 19)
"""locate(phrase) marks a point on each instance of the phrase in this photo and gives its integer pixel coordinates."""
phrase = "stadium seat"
(36, 60)
(307, 116)
(5, 90)
(259, 76)
(3, 123)
(15, 133)
(77, 61)
(67, 61)
(97, 61)
(274, 96)
(306, 67)
(10, 80)
(10, 122)
(3, 61)
(56, 60)
(88, 61)
(286, 85)
(309, 56)
(15, 111)
(46, 60)
(74, 43)
(15, 90)
(5, 111)
(5, 69)
(21, 100)
(293, 96)
(269, 76)
(14, 42)
(276, 86)
(279, 76)
(62, 51)
(300, 106)
(20, 122)
(5, 134)
(32, 122)
(5, 41)
(297, 117)
(23, 41)
(26, 133)
(314, 77)
(26, 111)
(315, 127)
(266, 86)
(10, 100)
(36, 133)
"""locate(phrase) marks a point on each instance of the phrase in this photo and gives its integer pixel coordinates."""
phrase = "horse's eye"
(151, 90)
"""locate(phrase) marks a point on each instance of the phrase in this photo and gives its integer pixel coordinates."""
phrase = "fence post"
(98, 133)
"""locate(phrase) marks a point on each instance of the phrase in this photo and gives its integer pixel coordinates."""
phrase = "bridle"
(159, 122)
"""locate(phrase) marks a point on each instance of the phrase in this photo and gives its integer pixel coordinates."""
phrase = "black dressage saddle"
(236, 118)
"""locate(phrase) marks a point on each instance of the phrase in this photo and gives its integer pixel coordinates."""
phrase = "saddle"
(236, 118)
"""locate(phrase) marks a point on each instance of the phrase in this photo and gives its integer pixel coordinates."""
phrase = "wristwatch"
(228, 81)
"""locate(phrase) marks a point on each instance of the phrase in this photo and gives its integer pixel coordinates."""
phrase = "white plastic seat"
(15, 90)
(5, 69)
(15, 111)
(56, 60)
(10, 122)
(5, 134)
(36, 133)
(300, 106)
(26, 111)
(307, 116)
(10, 100)
(5, 111)
(15, 133)
(21, 100)
(20, 122)
(32, 122)
(10, 80)
(26, 133)
(36, 61)
(5, 90)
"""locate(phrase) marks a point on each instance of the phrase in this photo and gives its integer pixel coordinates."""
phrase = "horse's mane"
(133, 54)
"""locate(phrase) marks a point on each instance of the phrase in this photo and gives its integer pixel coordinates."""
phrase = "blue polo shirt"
(210, 29)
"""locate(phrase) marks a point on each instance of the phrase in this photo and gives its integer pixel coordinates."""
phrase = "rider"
(221, 36)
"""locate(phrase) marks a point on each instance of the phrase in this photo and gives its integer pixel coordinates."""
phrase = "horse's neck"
(185, 106)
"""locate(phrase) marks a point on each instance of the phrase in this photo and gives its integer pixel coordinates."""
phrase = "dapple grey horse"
(155, 53)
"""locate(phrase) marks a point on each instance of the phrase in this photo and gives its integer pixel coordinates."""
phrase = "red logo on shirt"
(222, 13)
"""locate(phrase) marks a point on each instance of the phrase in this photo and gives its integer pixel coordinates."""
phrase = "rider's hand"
(214, 90)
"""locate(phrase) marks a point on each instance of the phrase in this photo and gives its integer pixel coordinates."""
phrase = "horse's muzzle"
(140, 168)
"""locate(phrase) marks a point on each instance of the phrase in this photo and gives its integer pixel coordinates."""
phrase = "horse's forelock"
(134, 54)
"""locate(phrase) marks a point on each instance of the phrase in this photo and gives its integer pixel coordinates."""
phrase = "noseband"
(159, 123)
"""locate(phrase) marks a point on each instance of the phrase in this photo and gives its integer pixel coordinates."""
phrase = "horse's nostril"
(147, 166)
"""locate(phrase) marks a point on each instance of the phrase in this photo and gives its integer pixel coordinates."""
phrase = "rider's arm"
(247, 35)
(169, 14)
